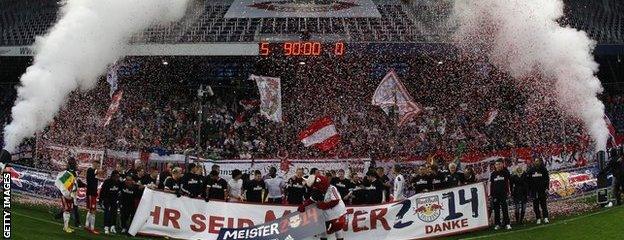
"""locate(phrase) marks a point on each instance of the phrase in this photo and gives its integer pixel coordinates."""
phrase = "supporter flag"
(16, 176)
(611, 128)
(112, 109)
(270, 97)
(322, 134)
(65, 181)
(490, 116)
(392, 93)
(111, 78)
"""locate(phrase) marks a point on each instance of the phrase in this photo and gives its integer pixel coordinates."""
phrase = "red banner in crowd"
(112, 109)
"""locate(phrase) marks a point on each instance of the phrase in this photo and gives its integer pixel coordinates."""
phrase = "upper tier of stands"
(401, 21)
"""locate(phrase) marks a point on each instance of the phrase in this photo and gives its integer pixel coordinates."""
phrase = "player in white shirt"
(275, 185)
(399, 184)
(236, 186)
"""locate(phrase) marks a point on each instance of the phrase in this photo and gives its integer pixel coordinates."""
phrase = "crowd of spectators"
(159, 111)
(614, 108)
(153, 115)
(454, 96)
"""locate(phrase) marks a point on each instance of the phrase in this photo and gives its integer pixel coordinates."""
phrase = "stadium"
(312, 119)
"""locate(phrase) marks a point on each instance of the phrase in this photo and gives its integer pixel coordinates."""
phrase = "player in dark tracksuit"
(519, 193)
(149, 177)
(438, 178)
(454, 178)
(342, 184)
(109, 193)
(193, 183)
(173, 183)
(422, 182)
(130, 192)
(295, 188)
(216, 187)
(499, 190)
(539, 181)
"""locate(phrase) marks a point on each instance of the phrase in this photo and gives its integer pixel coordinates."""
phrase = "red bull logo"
(428, 209)
(81, 193)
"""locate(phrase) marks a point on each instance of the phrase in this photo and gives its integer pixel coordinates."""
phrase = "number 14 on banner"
(427, 207)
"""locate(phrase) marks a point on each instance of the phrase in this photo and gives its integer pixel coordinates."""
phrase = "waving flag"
(65, 181)
(270, 97)
(16, 176)
(322, 134)
(392, 93)
(490, 116)
(112, 78)
(112, 109)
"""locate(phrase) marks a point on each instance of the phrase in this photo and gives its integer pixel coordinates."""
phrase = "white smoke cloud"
(522, 36)
(90, 35)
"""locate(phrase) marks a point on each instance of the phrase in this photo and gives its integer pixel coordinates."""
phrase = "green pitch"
(37, 223)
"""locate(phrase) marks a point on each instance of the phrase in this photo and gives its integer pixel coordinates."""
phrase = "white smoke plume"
(523, 37)
(90, 35)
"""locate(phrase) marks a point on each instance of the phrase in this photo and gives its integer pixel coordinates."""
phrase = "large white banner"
(426, 215)
(302, 9)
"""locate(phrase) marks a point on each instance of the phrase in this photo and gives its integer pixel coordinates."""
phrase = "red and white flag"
(322, 134)
(490, 116)
(392, 93)
(112, 109)
(270, 97)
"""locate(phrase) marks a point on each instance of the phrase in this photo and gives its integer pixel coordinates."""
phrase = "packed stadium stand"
(232, 131)
(400, 21)
(165, 121)
(236, 132)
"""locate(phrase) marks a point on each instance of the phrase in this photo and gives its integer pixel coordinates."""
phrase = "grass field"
(36, 223)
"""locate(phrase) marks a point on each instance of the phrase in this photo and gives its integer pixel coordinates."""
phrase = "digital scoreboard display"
(302, 48)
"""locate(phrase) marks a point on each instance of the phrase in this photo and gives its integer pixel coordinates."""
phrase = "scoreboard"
(302, 49)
